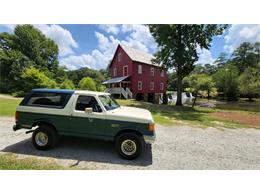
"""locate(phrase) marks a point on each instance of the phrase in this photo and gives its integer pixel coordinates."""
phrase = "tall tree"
(249, 82)
(244, 56)
(177, 46)
(221, 60)
(36, 46)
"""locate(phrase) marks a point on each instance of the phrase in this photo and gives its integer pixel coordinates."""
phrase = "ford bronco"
(51, 113)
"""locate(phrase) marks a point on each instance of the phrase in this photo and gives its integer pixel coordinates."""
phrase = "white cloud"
(61, 36)
(110, 28)
(139, 37)
(239, 33)
(205, 56)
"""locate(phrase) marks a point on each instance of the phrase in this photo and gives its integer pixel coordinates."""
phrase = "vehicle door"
(87, 117)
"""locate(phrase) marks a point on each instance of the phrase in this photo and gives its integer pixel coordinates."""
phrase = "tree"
(177, 47)
(26, 47)
(34, 78)
(197, 83)
(226, 80)
(67, 84)
(87, 83)
(249, 82)
(244, 56)
(221, 60)
(36, 46)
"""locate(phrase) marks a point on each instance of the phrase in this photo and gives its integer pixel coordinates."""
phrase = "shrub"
(87, 83)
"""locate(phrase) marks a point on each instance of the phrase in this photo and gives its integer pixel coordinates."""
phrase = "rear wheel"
(129, 145)
(44, 137)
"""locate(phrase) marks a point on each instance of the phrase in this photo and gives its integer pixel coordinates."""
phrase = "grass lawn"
(169, 114)
(8, 106)
(13, 162)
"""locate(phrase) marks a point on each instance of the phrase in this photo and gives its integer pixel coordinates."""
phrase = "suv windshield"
(108, 102)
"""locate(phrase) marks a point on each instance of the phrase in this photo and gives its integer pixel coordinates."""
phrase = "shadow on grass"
(81, 150)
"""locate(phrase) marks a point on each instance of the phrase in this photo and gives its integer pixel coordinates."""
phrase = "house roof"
(115, 80)
(139, 56)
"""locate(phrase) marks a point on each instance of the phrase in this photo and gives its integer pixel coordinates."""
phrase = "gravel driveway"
(176, 147)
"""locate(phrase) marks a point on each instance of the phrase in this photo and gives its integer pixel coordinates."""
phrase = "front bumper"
(149, 139)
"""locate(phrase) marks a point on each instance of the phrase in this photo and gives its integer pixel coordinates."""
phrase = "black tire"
(134, 140)
(47, 131)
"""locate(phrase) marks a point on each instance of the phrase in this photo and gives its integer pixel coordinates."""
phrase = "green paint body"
(82, 126)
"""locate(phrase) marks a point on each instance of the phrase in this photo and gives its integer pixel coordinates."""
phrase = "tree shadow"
(81, 149)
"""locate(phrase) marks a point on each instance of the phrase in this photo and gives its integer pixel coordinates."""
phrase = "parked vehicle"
(186, 97)
(50, 113)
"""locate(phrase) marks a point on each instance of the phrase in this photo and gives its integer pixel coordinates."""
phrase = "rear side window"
(47, 99)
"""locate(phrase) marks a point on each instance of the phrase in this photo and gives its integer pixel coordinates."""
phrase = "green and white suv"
(50, 113)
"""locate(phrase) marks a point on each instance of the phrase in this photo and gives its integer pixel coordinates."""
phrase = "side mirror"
(88, 110)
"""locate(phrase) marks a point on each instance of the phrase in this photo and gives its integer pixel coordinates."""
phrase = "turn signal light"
(151, 127)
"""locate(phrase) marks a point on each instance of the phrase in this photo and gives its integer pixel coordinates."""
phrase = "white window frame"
(124, 70)
(162, 86)
(140, 85)
(151, 85)
(119, 57)
(152, 71)
(115, 72)
(140, 69)
(162, 73)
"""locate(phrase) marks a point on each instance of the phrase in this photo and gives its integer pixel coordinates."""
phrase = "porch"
(119, 86)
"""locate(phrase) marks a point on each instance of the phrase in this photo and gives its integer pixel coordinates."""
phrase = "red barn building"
(134, 75)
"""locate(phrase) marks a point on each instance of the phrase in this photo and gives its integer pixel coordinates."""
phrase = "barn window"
(162, 86)
(125, 70)
(140, 69)
(151, 85)
(119, 57)
(140, 85)
(152, 71)
(115, 72)
(162, 73)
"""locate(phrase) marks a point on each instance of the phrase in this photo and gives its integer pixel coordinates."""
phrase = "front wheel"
(129, 145)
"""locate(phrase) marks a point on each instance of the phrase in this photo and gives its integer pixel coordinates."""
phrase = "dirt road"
(176, 147)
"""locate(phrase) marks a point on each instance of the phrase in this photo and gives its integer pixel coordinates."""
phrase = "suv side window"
(47, 99)
(87, 102)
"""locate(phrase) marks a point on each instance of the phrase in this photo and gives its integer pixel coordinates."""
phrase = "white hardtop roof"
(139, 56)
(86, 92)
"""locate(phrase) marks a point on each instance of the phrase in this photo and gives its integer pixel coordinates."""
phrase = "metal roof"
(139, 56)
(115, 80)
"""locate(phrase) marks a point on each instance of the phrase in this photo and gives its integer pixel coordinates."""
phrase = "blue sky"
(94, 45)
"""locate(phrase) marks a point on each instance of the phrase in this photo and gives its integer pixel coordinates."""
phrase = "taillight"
(16, 116)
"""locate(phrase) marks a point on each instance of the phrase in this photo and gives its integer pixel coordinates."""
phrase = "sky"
(93, 46)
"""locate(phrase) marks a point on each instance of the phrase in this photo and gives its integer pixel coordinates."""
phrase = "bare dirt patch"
(244, 118)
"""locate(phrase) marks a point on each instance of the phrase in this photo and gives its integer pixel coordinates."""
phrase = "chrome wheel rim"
(41, 139)
(128, 147)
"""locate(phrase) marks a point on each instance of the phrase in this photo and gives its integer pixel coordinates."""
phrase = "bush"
(67, 84)
(87, 83)
(34, 78)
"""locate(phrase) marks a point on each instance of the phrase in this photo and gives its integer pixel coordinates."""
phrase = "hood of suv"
(131, 114)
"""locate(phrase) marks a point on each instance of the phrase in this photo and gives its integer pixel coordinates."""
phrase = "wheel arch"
(129, 131)
(43, 122)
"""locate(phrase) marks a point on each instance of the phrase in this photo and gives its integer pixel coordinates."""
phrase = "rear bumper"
(16, 127)
(149, 139)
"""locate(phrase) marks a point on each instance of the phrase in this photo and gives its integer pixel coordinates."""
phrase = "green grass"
(8, 106)
(168, 115)
(12, 162)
